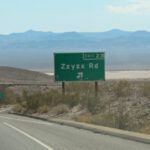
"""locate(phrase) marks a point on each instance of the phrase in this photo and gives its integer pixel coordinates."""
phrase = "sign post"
(96, 88)
(63, 89)
(73, 67)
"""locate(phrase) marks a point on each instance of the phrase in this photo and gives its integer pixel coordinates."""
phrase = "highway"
(21, 133)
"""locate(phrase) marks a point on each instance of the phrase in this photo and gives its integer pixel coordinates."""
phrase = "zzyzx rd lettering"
(79, 66)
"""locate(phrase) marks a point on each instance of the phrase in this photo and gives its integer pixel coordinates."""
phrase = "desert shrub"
(112, 107)
(2, 89)
(88, 118)
(122, 116)
(38, 101)
(93, 104)
(104, 88)
(60, 109)
(146, 90)
(75, 94)
(32, 102)
(43, 109)
(118, 119)
(23, 103)
(80, 87)
(106, 119)
(145, 129)
(52, 98)
(18, 108)
(122, 120)
(9, 96)
(122, 88)
(71, 99)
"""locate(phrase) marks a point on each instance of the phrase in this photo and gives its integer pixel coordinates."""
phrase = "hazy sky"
(73, 15)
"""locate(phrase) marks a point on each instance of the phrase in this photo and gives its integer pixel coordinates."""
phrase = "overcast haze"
(74, 15)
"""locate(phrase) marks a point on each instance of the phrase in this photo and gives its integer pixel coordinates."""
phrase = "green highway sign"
(79, 66)
(1, 96)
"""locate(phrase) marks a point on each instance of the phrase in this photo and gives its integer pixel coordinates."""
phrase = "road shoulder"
(144, 138)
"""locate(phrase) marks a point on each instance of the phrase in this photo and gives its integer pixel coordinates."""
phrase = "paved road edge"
(144, 138)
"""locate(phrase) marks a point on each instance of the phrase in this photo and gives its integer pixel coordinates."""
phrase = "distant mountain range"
(34, 49)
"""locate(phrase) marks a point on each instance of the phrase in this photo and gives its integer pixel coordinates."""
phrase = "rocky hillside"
(16, 75)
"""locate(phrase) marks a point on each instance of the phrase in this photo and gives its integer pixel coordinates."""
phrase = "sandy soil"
(128, 75)
(125, 75)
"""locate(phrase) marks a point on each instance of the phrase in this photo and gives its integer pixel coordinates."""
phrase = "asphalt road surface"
(21, 133)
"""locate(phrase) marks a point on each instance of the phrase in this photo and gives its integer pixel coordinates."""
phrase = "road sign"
(79, 66)
(1, 96)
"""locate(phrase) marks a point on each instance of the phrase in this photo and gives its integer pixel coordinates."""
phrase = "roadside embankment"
(97, 129)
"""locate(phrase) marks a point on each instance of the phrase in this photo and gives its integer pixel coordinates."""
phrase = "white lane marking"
(29, 136)
(37, 122)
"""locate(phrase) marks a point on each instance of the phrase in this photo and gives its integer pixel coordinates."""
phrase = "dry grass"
(106, 119)
(9, 97)
(119, 104)
(43, 109)
(60, 109)
(122, 88)
(146, 129)
(146, 90)
(88, 118)
(18, 108)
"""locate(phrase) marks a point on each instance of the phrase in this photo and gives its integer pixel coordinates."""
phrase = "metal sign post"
(63, 89)
(96, 89)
